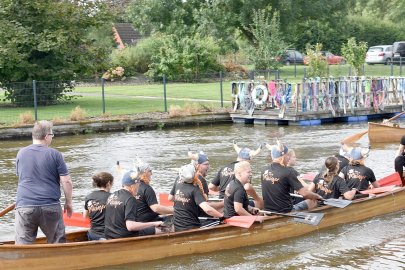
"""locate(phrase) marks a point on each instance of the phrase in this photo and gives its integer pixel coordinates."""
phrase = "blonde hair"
(241, 166)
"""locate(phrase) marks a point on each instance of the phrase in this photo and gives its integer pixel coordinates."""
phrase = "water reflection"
(378, 243)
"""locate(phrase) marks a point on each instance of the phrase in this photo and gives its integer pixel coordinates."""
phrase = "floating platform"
(311, 118)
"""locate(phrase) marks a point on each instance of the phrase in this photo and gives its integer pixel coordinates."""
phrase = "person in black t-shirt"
(356, 174)
(226, 174)
(236, 202)
(292, 160)
(148, 208)
(120, 212)
(94, 205)
(277, 182)
(329, 185)
(188, 197)
(399, 162)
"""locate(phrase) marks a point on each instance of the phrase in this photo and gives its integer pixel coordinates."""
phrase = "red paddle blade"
(378, 190)
(241, 221)
(308, 176)
(392, 179)
(76, 220)
(164, 199)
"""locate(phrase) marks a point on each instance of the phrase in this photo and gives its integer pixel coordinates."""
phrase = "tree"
(355, 54)
(47, 40)
(317, 64)
(268, 42)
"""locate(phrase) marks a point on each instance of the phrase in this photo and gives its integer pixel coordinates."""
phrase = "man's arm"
(400, 150)
(161, 209)
(67, 187)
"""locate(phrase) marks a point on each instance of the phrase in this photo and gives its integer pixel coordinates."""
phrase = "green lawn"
(131, 99)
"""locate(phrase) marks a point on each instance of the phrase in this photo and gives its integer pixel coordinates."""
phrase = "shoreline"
(149, 122)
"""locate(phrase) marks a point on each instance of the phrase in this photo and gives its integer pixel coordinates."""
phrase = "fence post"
(350, 70)
(305, 72)
(220, 88)
(392, 68)
(400, 66)
(102, 94)
(164, 92)
(34, 89)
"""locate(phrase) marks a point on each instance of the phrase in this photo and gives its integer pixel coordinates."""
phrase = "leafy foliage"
(268, 42)
(355, 54)
(187, 56)
(317, 64)
(47, 40)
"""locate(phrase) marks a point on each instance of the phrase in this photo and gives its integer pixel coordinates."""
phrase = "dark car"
(398, 52)
(292, 57)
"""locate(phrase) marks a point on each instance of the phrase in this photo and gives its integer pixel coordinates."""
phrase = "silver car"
(381, 54)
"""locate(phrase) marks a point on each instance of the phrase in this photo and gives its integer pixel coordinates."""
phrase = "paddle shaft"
(395, 117)
(283, 214)
(353, 138)
(7, 209)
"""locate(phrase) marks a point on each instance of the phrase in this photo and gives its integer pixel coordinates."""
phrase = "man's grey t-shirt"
(39, 169)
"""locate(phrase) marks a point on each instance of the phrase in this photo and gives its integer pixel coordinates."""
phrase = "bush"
(26, 118)
(136, 59)
(77, 114)
(187, 57)
(317, 64)
(114, 73)
(355, 54)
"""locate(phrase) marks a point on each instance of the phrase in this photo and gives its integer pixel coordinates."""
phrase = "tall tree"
(46, 40)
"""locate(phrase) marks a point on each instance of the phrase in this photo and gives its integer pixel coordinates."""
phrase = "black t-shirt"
(121, 206)
(145, 197)
(235, 192)
(358, 176)
(186, 206)
(295, 199)
(277, 182)
(223, 177)
(334, 189)
(95, 203)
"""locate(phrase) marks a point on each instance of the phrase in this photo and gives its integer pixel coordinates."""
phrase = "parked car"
(398, 52)
(330, 58)
(292, 57)
(381, 54)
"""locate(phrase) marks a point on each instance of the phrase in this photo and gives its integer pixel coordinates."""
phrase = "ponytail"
(196, 181)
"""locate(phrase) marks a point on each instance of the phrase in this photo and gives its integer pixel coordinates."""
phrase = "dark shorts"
(147, 231)
(48, 218)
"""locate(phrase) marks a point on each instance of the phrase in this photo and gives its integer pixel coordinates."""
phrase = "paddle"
(308, 176)
(76, 220)
(339, 203)
(395, 117)
(378, 190)
(392, 179)
(353, 138)
(307, 218)
(164, 199)
(7, 209)
(238, 221)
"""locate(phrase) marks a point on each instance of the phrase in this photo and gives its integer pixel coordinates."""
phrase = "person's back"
(95, 203)
(41, 171)
(121, 206)
(277, 183)
(145, 197)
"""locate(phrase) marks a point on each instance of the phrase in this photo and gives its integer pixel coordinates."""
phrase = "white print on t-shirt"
(268, 176)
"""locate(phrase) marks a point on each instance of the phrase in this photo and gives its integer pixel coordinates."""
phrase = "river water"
(378, 243)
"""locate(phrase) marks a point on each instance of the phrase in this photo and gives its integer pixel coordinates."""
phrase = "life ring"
(257, 93)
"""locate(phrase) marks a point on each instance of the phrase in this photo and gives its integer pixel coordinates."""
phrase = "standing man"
(41, 171)
(400, 160)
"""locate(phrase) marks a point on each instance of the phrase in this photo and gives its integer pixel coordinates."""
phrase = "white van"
(381, 54)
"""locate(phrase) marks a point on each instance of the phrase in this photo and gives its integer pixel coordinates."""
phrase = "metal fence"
(23, 102)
